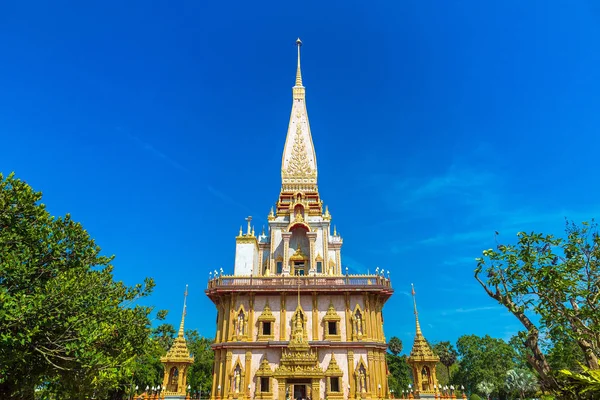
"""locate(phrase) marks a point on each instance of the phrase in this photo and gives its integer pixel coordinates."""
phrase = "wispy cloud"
(226, 198)
(147, 147)
(462, 182)
(472, 310)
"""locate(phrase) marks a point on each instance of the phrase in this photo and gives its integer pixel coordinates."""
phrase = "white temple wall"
(246, 258)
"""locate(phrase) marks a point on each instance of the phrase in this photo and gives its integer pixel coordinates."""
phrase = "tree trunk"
(588, 351)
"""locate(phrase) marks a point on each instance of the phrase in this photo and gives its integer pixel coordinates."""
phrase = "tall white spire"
(299, 161)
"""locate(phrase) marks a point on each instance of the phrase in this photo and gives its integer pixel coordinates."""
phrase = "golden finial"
(298, 73)
(334, 231)
(415, 307)
(240, 231)
(271, 216)
(252, 230)
(180, 334)
(263, 231)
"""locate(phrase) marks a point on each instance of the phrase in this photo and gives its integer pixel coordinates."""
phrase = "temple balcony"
(312, 283)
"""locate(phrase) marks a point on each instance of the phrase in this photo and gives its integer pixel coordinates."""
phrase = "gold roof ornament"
(420, 350)
(327, 215)
(333, 369)
(179, 353)
(331, 314)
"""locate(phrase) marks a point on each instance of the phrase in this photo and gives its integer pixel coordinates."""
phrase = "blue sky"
(160, 127)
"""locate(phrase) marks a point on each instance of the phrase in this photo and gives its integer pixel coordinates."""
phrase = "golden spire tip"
(298, 73)
(185, 294)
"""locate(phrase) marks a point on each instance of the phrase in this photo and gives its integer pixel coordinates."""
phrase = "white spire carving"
(299, 162)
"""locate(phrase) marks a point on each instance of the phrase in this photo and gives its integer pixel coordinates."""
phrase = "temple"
(176, 363)
(291, 322)
(423, 362)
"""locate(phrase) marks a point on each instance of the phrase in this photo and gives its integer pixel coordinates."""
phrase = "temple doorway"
(300, 389)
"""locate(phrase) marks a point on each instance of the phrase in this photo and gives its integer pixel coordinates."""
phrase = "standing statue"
(236, 382)
(363, 382)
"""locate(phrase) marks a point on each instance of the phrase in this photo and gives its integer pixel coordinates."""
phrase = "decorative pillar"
(286, 246)
(220, 382)
(315, 317)
(230, 321)
(251, 318)
(312, 238)
(261, 261)
(248, 376)
(316, 389)
(282, 319)
(349, 335)
(216, 369)
(338, 261)
(281, 385)
(227, 382)
(272, 252)
(372, 369)
(326, 248)
(367, 316)
(220, 311)
(374, 328)
(351, 381)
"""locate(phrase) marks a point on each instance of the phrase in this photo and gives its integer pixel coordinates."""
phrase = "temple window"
(265, 324)
(264, 384)
(319, 267)
(331, 322)
(332, 328)
(279, 267)
(266, 328)
(335, 384)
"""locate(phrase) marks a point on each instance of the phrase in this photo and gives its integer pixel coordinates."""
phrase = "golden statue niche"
(176, 362)
(422, 360)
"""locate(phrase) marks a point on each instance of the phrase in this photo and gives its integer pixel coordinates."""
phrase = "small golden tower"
(423, 362)
(176, 363)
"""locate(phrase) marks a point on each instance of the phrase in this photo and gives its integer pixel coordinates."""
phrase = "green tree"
(565, 354)
(200, 373)
(521, 381)
(582, 385)
(447, 354)
(486, 388)
(395, 345)
(483, 359)
(554, 281)
(400, 374)
(65, 325)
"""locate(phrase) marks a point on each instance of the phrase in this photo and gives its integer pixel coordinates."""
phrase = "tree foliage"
(483, 359)
(395, 345)
(486, 388)
(447, 354)
(521, 381)
(582, 385)
(400, 374)
(200, 373)
(554, 281)
(65, 325)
